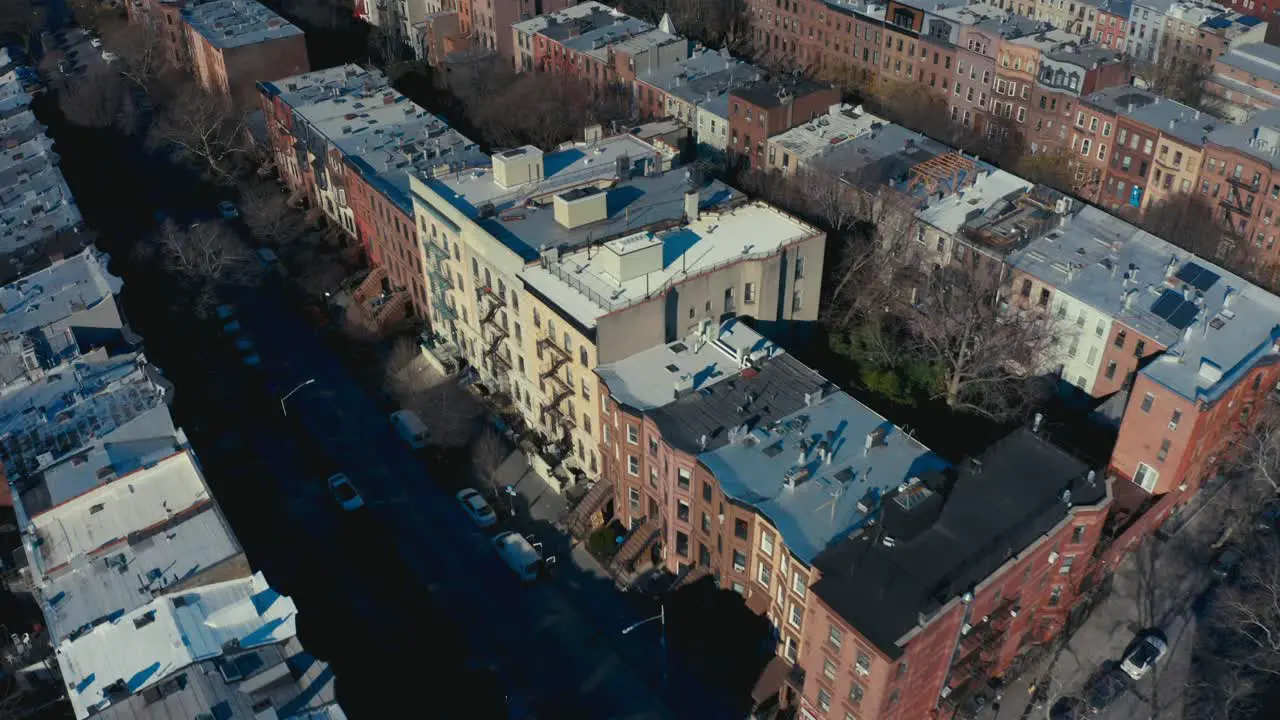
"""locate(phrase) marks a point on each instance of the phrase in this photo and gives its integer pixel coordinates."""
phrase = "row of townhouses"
(151, 607)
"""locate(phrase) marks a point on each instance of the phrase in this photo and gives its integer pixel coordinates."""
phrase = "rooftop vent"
(581, 206)
(518, 167)
(1210, 370)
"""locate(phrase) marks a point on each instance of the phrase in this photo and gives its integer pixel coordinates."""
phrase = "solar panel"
(1184, 315)
(1196, 276)
(1168, 302)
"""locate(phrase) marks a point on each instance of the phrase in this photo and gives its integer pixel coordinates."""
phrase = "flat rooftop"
(991, 190)
(35, 201)
(1259, 136)
(763, 427)
(1048, 40)
(639, 195)
(228, 24)
(585, 283)
(562, 22)
(945, 540)
(881, 157)
(1172, 118)
(704, 75)
(383, 134)
(825, 133)
(1213, 322)
(141, 548)
(1123, 99)
(66, 287)
(146, 646)
(770, 93)
(72, 409)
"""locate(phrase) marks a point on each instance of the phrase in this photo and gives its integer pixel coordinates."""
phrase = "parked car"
(109, 57)
(1144, 656)
(476, 506)
(1226, 562)
(228, 210)
(519, 554)
(1105, 686)
(410, 428)
(95, 41)
(345, 493)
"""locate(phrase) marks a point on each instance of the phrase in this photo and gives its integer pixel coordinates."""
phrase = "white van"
(410, 428)
(518, 554)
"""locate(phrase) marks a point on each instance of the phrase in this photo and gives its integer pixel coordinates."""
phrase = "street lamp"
(661, 617)
(286, 396)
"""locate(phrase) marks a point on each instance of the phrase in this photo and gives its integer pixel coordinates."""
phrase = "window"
(682, 511)
(766, 543)
(749, 294)
(1067, 562)
(1164, 450)
(1139, 348)
(902, 666)
(1146, 477)
(706, 491)
(798, 582)
(824, 700)
(796, 615)
(764, 574)
(682, 544)
(797, 300)
(683, 478)
(739, 561)
(835, 636)
(799, 267)
(706, 523)
(633, 465)
(1120, 339)
(855, 693)
(633, 435)
(1173, 421)
(1055, 596)
(740, 528)
(829, 668)
(863, 663)
(653, 447)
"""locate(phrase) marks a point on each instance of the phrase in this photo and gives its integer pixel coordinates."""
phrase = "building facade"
(234, 44)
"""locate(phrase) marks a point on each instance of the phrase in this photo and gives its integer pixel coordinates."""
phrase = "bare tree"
(21, 20)
(717, 23)
(142, 60)
(205, 257)
(1181, 76)
(488, 452)
(99, 99)
(1051, 167)
(989, 358)
(267, 213)
(202, 129)
(451, 413)
(1187, 220)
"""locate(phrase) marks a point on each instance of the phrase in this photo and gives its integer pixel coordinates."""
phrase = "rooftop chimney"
(691, 206)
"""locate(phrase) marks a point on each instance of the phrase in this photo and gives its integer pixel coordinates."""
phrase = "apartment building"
(979, 32)
(1146, 29)
(1191, 344)
(766, 108)
(1197, 29)
(680, 88)
(1176, 165)
(235, 44)
(546, 264)
(1238, 174)
(701, 447)
(1245, 80)
(819, 141)
(961, 571)
(599, 44)
(165, 20)
(347, 140)
(36, 204)
(227, 649)
(489, 22)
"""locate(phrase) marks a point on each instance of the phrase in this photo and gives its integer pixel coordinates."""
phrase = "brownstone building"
(235, 44)
(165, 19)
(768, 107)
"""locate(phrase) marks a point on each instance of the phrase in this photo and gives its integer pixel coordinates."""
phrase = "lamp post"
(661, 617)
(286, 396)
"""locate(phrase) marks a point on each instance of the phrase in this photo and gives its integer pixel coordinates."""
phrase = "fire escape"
(494, 322)
(1236, 202)
(438, 274)
(556, 357)
(979, 650)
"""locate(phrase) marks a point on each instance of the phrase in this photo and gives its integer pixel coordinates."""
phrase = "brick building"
(237, 43)
(165, 18)
(1239, 175)
(1246, 79)
(960, 574)
(763, 109)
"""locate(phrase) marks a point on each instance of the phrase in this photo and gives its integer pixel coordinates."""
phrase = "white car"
(345, 493)
(96, 42)
(109, 57)
(1144, 656)
(474, 503)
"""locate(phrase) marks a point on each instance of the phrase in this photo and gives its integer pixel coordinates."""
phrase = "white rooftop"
(652, 378)
(109, 513)
(583, 284)
(1201, 312)
(950, 213)
(1049, 40)
(235, 23)
(64, 288)
(118, 659)
(826, 132)
(574, 12)
(71, 409)
(35, 201)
